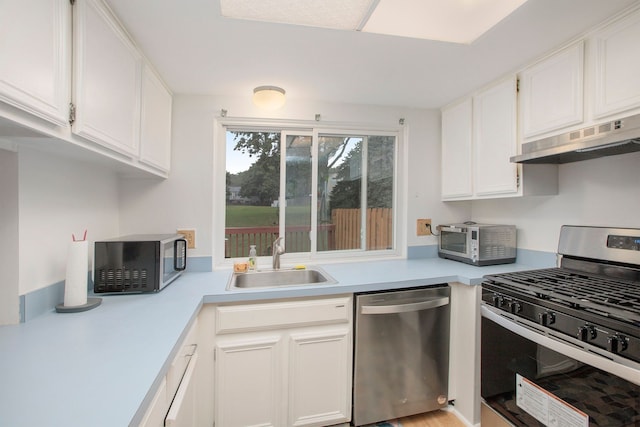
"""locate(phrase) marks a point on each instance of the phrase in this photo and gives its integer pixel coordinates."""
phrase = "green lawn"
(256, 216)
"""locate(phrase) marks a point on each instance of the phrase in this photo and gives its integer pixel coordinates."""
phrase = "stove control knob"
(498, 300)
(547, 318)
(586, 333)
(617, 343)
(515, 307)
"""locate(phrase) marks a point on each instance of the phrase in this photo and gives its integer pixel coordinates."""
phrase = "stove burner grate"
(618, 298)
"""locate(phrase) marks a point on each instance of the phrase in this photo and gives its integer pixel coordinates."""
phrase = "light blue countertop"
(101, 367)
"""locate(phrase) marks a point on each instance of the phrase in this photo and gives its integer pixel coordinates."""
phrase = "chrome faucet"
(277, 250)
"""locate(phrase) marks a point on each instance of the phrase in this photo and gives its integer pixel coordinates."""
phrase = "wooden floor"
(432, 419)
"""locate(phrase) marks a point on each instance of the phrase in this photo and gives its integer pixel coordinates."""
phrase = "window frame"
(222, 124)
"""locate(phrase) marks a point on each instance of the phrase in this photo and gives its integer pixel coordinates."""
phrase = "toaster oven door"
(455, 241)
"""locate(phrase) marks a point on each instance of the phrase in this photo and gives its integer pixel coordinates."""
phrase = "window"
(328, 193)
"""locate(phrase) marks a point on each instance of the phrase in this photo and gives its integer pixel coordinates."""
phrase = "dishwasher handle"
(404, 308)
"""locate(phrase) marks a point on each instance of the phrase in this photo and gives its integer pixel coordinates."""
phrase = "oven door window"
(507, 359)
(453, 242)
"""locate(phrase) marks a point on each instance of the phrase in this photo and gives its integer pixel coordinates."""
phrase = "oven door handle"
(404, 308)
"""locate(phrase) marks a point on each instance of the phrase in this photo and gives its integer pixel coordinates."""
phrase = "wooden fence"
(342, 234)
(347, 228)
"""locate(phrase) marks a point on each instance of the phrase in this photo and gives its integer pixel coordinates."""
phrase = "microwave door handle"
(180, 247)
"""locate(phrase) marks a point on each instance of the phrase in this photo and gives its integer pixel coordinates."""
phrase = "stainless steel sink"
(280, 278)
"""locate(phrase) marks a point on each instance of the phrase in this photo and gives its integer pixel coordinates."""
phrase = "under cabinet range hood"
(606, 139)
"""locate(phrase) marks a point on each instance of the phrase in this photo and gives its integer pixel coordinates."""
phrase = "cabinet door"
(617, 67)
(183, 410)
(107, 80)
(456, 163)
(35, 58)
(247, 380)
(319, 377)
(155, 415)
(495, 139)
(552, 92)
(155, 132)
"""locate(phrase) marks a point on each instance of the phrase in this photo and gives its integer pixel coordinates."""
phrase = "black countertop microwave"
(138, 263)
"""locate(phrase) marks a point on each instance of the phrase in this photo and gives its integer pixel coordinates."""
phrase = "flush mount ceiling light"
(268, 97)
(457, 21)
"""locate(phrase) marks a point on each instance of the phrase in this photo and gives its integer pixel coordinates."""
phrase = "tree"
(380, 159)
(261, 182)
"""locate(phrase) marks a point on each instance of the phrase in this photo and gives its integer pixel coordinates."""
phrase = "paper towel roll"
(75, 285)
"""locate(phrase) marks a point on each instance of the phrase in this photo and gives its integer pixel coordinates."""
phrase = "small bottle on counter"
(253, 258)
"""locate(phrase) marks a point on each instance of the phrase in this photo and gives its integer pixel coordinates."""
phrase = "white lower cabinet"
(177, 401)
(464, 364)
(247, 380)
(183, 411)
(285, 363)
(319, 363)
(154, 417)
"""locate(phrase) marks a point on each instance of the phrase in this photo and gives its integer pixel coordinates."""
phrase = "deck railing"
(342, 234)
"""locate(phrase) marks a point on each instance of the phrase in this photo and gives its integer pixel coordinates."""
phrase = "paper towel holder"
(91, 303)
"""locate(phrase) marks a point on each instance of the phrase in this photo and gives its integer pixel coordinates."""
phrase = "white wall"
(185, 199)
(9, 302)
(599, 192)
(57, 197)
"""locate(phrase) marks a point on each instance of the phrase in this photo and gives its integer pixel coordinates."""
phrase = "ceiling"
(459, 21)
(197, 51)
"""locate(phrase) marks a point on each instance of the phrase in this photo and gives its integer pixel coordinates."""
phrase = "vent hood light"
(606, 139)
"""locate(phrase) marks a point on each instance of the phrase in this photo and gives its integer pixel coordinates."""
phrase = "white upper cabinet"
(495, 139)
(617, 66)
(568, 90)
(457, 166)
(551, 92)
(35, 57)
(155, 132)
(106, 80)
(63, 63)
(478, 138)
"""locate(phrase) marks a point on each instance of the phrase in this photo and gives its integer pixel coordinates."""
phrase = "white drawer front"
(272, 315)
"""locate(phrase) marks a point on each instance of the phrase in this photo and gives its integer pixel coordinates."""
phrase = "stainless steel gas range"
(561, 346)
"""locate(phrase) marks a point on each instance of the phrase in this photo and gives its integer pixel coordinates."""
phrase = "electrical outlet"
(423, 227)
(190, 237)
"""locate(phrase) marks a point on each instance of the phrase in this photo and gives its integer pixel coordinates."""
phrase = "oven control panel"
(630, 243)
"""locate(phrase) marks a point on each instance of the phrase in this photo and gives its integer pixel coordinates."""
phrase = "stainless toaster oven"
(478, 244)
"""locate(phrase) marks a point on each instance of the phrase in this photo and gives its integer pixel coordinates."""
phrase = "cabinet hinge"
(214, 354)
(517, 85)
(72, 113)
(518, 179)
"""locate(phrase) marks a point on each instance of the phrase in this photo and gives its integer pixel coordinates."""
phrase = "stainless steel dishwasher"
(401, 357)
